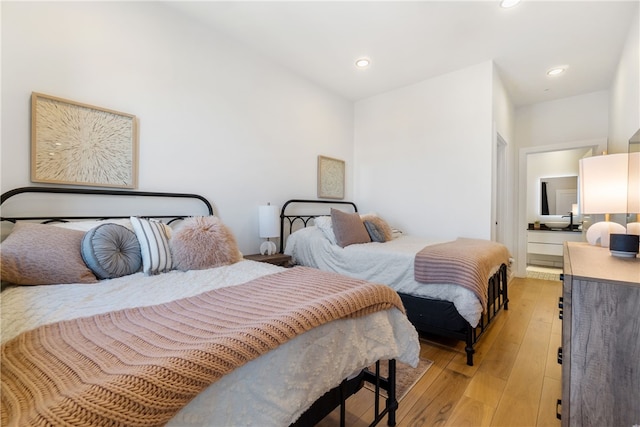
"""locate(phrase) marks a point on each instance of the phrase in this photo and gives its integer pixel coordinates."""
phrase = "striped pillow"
(153, 237)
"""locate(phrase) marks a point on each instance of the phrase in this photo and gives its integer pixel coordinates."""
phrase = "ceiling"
(412, 41)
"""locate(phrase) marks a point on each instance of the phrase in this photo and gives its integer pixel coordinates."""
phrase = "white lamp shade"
(268, 221)
(633, 202)
(604, 184)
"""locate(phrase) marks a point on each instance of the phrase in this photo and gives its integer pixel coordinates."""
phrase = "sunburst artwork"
(330, 178)
(74, 143)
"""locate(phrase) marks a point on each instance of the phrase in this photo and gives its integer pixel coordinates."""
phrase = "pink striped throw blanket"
(140, 366)
(465, 262)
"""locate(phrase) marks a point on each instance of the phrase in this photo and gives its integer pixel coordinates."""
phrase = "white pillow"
(324, 224)
(88, 225)
(153, 237)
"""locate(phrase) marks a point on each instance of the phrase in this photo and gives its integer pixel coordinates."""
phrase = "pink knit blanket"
(140, 366)
(465, 262)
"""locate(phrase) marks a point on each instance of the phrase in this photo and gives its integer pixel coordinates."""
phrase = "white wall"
(503, 109)
(575, 118)
(424, 155)
(214, 118)
(624, 114)
(504, 187)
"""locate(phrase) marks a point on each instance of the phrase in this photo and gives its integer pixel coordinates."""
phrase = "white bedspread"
(273, 390)
(390, 263)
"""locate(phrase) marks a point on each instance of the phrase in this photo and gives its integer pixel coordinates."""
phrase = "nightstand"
(275, 259)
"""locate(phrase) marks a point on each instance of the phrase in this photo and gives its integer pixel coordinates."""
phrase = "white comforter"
(273, 390)
(390, 263)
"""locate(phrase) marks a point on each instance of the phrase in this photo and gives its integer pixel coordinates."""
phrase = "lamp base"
(633, 228)
(268, 248)
(600, 232)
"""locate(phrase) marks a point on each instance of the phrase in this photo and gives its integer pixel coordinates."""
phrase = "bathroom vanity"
(544, 247)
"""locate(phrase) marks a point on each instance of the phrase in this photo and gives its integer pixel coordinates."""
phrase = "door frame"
(599, 144)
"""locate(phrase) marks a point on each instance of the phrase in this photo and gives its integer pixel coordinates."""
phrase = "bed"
(178, 342)
(443, 307)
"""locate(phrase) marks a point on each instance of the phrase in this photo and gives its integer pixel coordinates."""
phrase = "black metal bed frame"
(426, 314)
(304, 219)
(90, 191)
(441, 317)
(323, 406)
(338, 397)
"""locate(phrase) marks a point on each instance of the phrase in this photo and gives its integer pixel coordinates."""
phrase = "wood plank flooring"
(515, 380)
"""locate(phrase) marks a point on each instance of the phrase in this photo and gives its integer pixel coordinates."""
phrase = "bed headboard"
(55, 204)
(301, 212)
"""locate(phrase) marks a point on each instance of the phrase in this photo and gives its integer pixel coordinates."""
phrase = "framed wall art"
(79, 144)
(330, 178)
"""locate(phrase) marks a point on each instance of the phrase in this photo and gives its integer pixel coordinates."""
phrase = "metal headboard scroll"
(304, 218)
(86, 191)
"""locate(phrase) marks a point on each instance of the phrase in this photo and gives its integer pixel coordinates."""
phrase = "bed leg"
(392, 402)
(343, 404)
(503, 278)
(469, 347)
(470, 351)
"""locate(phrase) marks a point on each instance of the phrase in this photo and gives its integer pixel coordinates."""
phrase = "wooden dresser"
(600, 338)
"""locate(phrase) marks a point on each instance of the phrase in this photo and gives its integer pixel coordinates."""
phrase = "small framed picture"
(330, 178)
(79, 144)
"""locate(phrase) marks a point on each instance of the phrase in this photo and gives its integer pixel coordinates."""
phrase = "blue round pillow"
(111, 250)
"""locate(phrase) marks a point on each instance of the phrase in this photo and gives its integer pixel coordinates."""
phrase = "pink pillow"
(203, 242)
(38, 254)
(348, 228)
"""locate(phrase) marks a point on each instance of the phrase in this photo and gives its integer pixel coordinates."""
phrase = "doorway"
(498, 231)
(527, 191)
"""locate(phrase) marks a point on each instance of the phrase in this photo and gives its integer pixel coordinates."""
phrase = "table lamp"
(633, 195)
(633, 206)
(603, 190)
(269, 227)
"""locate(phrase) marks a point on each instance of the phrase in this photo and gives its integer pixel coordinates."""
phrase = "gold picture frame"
(80, 144)
(330, 178)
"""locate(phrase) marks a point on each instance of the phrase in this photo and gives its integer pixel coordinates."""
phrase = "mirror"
(558, 195)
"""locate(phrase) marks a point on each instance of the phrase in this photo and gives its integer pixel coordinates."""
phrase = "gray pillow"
(111, 251)
(374, 231)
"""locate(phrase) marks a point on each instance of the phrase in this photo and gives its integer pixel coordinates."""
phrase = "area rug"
(542, 275)
(406, 376)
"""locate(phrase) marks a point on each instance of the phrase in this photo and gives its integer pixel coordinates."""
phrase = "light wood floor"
(515, 380)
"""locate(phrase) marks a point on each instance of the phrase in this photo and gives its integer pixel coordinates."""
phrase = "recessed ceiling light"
(509, 3)
(363, 62)
(555, 71)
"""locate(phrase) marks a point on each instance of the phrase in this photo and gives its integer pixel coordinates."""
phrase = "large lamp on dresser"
(629, 244)
(633, 226)
(607, 187)
(603, 190)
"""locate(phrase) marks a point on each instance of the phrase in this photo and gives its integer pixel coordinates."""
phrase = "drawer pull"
(558, 407)
(560, 355)
(562, 277)
(561, 307)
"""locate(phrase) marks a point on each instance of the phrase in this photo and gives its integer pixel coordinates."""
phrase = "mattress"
(390, 263)
(274, 389)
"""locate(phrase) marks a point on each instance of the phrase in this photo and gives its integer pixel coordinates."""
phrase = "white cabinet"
(550, 242)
